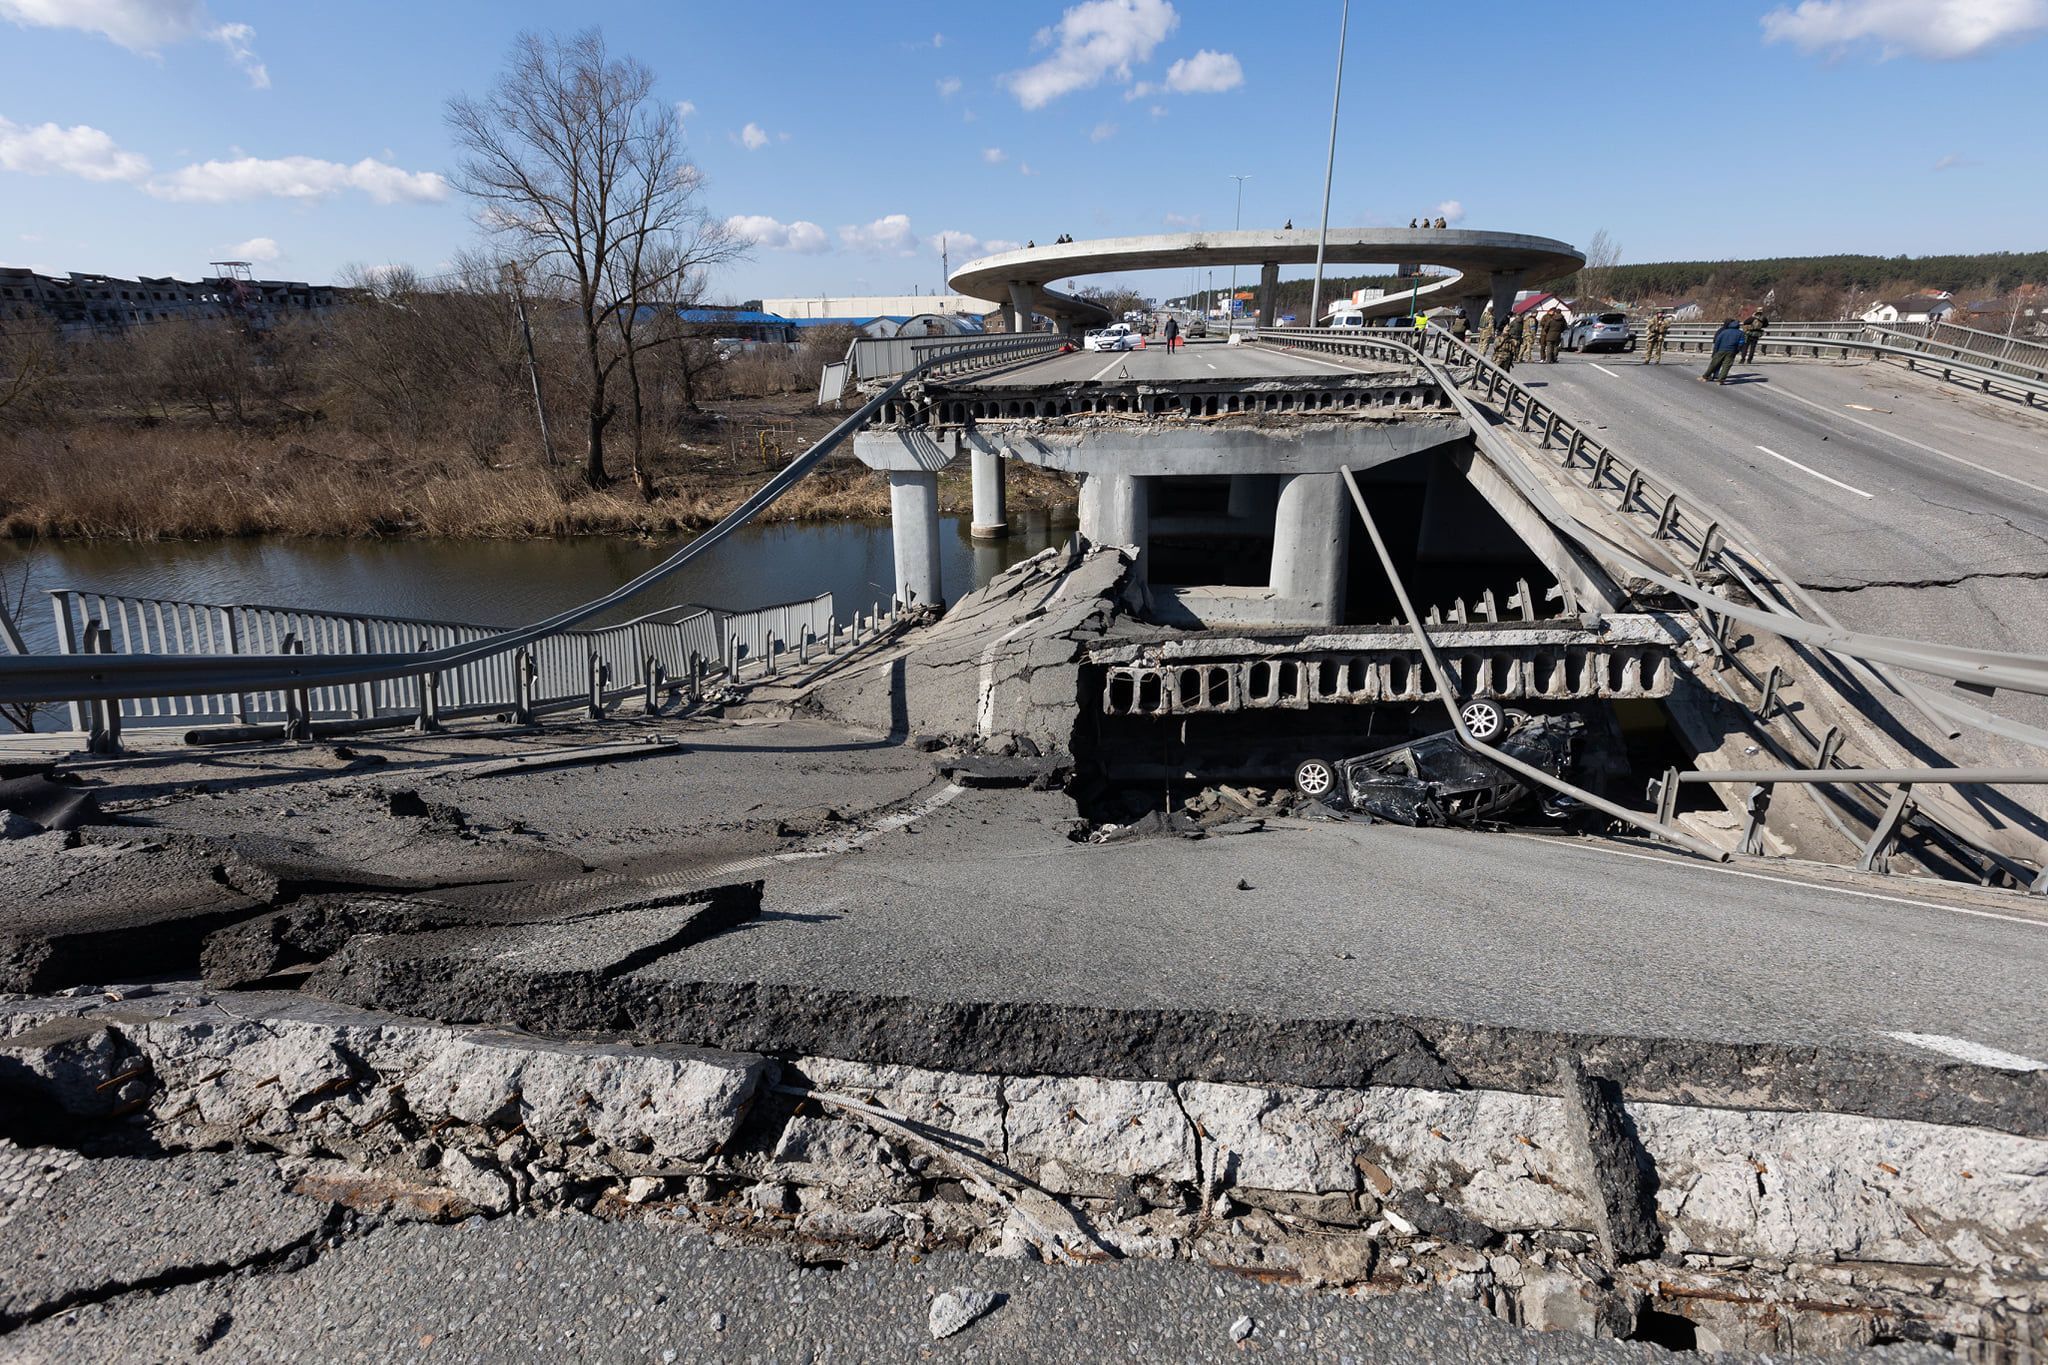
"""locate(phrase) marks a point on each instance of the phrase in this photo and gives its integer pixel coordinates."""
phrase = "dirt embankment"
(124, 480)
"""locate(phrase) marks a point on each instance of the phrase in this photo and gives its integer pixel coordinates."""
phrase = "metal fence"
(885, 358)
(1958, 354)
(592, 666)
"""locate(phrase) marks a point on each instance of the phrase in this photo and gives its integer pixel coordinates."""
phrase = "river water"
(508, 582)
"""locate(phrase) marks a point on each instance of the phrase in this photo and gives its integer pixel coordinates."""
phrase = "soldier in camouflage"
(1653, 352)
(1552, 332)
(1510, 344)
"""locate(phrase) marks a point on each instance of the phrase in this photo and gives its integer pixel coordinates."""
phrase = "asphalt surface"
(984, 898)
(1915, 508)
(1198, 360)
(575, 1288)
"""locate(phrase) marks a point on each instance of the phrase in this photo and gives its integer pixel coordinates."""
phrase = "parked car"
(1600, 331)
(1197, 327)
(1438, 780)
(1118, 336)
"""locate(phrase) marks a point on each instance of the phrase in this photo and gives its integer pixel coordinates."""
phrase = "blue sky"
(154, 136)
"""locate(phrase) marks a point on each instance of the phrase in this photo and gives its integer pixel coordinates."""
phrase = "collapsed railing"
(102, 679)
(1850, 661)
(2015, 370)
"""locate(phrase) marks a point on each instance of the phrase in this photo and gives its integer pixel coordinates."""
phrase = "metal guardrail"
(112, 677)
(875, 359)
(2012, 373)
(1702, 538)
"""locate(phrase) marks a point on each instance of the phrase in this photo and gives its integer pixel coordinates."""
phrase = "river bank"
(123, 480)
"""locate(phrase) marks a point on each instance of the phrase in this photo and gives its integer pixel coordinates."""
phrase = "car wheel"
(1484, 721)
(1316, 778)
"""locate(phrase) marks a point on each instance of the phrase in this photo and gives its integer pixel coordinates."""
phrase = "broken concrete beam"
(1612, 1168)
(78, 1066)
(994, 770)
(84, 1231)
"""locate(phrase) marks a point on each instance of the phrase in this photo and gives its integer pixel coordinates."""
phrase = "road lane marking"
(1815, 472)
(1907, 440)
(1603, 369)
(1963, 1050)
(1107, 368)
(1788, 881)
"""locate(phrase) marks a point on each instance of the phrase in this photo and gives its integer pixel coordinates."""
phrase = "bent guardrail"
(1842, 657)
(111, 677)
(1819, 340)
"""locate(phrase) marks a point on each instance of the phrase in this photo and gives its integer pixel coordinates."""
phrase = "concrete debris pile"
(1589, 1212)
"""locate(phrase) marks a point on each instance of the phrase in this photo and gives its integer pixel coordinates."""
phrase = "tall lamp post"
(1315, 304)
(1236, 223)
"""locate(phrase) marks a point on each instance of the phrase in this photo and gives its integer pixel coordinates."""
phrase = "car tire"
(1316, 778)
(1483, 720)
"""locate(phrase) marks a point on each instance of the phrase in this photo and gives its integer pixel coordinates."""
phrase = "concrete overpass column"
(1020, 306)
(914, 526)
(1506, 284)
(1116, 509)
(1311, 548)
(991, 494)
(1252, 497)
(1269, 292)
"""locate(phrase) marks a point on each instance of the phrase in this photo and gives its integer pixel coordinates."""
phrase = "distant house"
(1686, 310)
(1929, 307)
(1536, 305)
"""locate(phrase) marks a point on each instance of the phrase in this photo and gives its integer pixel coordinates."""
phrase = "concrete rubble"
(1911, 1231)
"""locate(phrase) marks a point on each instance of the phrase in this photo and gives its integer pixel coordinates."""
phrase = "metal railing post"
(599, 671)
(67, 643)
(1756, 809)
(1877, 854)
(654, 679)
(524, 673)
(103, 725)
(298, 703)
(429, 719)
(366, 695)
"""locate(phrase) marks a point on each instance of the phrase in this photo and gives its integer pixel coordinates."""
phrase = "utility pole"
(1315, 304)
(1236, 223)
(508, 275)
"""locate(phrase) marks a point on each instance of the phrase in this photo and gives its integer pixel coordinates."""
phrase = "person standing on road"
(1728, 343)
(1459, 325)
(1752, 330)
(1553, 333)
(1509, 346)
(1172, 334)
(1653, 353)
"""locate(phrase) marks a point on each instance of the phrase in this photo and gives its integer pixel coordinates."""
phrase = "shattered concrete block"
(1086, 1133)
(1609, 1163)
(966, 1108)
(1299, 1140)
(956, 1309)
(1555, 1301)
(75, 1064)
(479, 1184)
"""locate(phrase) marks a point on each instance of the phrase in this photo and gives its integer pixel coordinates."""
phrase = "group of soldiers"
(1541, 341)
(1420, 223)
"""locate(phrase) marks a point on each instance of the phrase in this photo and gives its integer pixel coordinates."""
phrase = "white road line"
(1909, 441)
(1106, 368)
(1815, 472)
(1207, 363)
(1603, 369)
(1789, 881)
(1977, 1054)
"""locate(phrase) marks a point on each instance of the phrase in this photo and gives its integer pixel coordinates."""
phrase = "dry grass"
(120, 482)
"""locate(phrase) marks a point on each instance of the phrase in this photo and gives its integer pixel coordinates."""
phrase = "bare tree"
(28, 367)
(1603, 253)
(580, 171)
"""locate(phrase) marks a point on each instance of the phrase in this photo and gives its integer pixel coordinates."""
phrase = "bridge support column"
(1020, 308)
(1506, 284)
(991, 494)
(1116, 509)
(1311, 548)
(914, 526)
(1252, 498)
(1269, 292)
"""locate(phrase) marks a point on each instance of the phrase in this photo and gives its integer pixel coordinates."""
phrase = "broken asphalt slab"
(75, 1230)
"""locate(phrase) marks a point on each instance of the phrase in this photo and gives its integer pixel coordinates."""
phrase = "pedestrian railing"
(879, 360)
(2021, 371)
(1697, 541)
(677, 648)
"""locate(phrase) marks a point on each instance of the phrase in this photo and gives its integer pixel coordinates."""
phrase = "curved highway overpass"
(1487, 266)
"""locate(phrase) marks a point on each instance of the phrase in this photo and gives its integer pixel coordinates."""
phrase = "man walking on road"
(1653, 354)
(1728, 343)
(1172, 334)
(1752, 328)
(1553, 333)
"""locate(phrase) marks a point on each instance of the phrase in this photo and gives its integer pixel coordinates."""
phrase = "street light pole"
(1315, 305)
(1236, 223)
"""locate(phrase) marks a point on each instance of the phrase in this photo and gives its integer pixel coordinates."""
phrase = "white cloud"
(685, 108)
(1941, 30)
(1450, 210)
(948, 87)
(1024, 168)
(144, 27)
(1205, 73)
(938, 40)
(296, 177)
(1102, 132)
(1092, 40)
(236, 39)
(801, 236)
(83, 151)
(1183, 220)
(965, 246)
(1157, 111)
(258, 249)
(994, 156)
(888, 235)
(753, 137)
(1955, 161)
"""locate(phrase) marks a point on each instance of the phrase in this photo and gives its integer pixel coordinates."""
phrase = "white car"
(1118, 336)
